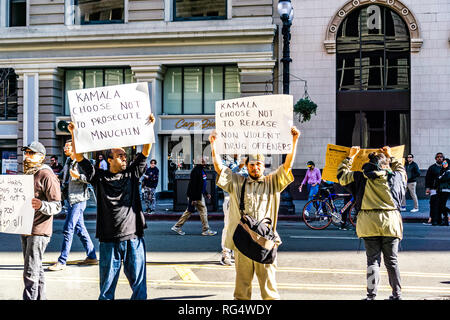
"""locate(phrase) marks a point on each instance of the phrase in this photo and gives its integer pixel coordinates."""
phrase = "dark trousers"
(443, 211)
(33, 248)
(389, 247)
(434, 210)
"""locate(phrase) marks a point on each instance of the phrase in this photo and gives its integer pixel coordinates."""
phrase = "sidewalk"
(164, 211)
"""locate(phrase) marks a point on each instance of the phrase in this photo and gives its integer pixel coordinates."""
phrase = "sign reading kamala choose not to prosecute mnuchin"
(111, 117)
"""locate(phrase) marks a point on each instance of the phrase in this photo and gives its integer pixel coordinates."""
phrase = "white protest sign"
(16, 212)
(259, 124)
(111, 117)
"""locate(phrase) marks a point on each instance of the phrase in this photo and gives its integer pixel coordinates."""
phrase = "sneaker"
(89, 261)
(369, 298)
(178, 230)
(57, 267)
(403, 209)
(306, 213)
(426, 224)
(395, 298)
(226, 260)
(209, 232)
(342, 228)
(414, 210)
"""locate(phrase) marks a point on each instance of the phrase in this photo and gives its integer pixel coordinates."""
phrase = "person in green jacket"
(378, 190)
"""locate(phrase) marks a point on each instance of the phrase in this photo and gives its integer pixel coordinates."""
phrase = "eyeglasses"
(29, 153)
(409, 157)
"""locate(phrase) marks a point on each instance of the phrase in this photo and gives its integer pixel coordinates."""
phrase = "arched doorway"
(373, 79)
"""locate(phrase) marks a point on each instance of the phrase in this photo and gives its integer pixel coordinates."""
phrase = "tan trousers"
(412, 191)
(245, 270)
(201, 208)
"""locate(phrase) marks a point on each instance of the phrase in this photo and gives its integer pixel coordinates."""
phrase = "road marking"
(186, 274)
(304, 270)
(282, 286)
(323, 237)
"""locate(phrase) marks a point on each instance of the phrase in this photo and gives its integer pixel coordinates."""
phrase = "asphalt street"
(312, 265)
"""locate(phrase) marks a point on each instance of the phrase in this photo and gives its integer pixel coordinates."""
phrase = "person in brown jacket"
(46, 203)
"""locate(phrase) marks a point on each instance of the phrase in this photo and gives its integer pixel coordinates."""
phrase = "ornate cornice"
(395, 5)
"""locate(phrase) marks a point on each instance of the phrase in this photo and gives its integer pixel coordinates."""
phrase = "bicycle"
(327, 208)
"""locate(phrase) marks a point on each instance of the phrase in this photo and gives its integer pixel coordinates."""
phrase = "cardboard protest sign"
(16, 212)
(335, 154)
(259, 124)
(111, 117)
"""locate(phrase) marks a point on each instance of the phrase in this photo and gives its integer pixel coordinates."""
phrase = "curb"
(215, 217)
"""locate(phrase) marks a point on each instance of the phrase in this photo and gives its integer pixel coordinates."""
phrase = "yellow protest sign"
(335, 154)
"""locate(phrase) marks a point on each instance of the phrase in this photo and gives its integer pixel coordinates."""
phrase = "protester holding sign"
(378, 191)
(47, 202)
(262, 200)
(120, 219)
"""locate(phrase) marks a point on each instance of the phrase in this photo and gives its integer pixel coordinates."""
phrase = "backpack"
(255, 239)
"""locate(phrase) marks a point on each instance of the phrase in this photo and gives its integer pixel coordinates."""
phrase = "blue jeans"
(312, 191)
(132, 252)
(75, 223)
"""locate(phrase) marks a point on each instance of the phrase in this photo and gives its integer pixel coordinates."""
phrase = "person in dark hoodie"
(443, 191)
(431, 181)
(378, 191)
(196, 193)
(120, 219)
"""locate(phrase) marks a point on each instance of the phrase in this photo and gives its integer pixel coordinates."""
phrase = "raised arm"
(289, 161)
(345, 175)
(218, 166)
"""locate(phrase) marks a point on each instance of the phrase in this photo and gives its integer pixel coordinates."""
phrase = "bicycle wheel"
(353, 215)
(318, 216)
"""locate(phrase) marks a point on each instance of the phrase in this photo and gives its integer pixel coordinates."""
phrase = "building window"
(8, 94)
(373, 79)
(17, 13)
(373, 51)
(92, 78)
(195, 90)
(199, 9)
(373, 129)
(94, 11)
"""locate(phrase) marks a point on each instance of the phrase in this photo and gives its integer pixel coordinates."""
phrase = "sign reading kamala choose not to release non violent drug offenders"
(259, 124)
(111, 117)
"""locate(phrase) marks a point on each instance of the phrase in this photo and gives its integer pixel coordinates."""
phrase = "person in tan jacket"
(261, 200)
(378, 191)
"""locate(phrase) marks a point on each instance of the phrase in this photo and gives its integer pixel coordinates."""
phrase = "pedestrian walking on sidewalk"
(149, 185)
(312, 180)
(78, 194)
(261, 200)
(431, 183)
(47, 203)
(443, 191)
(120, 219)
(413, 172)
(378, 191)
(196, 194)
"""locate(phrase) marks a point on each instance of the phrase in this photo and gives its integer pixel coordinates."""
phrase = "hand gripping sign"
(259, 124)
(16, 212)
(111, 117)
(336, 154)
